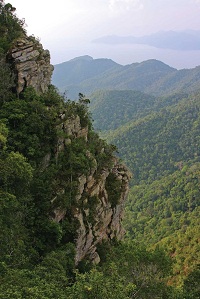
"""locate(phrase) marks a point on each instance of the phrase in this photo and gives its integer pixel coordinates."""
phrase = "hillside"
(162, 150)
(165, 213)
(112, 109)
(153, 145)
(87, 75)
(62, 191)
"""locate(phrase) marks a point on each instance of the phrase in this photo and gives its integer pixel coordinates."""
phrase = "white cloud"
(125, 5)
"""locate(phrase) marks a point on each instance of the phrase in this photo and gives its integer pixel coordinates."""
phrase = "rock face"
(103, 222)
(98, 210)
(31, 64)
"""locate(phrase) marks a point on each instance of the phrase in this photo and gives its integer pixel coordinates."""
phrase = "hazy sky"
(67, 27)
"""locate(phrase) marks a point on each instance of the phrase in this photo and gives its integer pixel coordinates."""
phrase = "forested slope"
(112, 109)
(162, 151)
(155, 145)
(165, 213)
(57, 177)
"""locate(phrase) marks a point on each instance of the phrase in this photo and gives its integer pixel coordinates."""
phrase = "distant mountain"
(68, 76)
(87, 75)
(183, 40)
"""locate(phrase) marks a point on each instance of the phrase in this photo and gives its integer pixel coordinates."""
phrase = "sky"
(67, 27)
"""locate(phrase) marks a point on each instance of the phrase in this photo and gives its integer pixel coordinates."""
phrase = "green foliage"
(112, 109)
(114, 189)
(13, 235)
(143, 272)
(15, 178)
(20, 284)
(128, 272)
(31, 125)
(3, 136)
(52, 99)
(11, 27)
(7, 80)
(82, 111)
(154, 146)
(159, 140)
(75, 158)
(165, 212)
(96, 284)
(191, 284)
(15, 170)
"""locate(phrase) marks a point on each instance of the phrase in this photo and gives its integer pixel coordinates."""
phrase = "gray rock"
(31, 64)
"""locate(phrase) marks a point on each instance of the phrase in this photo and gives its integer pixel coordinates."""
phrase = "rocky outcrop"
(31, 64)
(103, 221)
(71, 127)
(98, 210)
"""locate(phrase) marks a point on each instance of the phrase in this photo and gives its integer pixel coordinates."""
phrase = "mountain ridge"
(151, 76)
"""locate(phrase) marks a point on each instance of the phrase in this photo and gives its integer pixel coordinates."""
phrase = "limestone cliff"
(31, 64)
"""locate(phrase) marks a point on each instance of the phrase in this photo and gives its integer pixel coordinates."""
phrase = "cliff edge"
(30, 64)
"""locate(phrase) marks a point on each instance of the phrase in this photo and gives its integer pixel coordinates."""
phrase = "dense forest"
(159, 140)
(111, 109)
(37, 255)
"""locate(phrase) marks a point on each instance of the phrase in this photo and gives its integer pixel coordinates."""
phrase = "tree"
(11, 27)
(191, 285)
(7, 80)
(95, 284)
